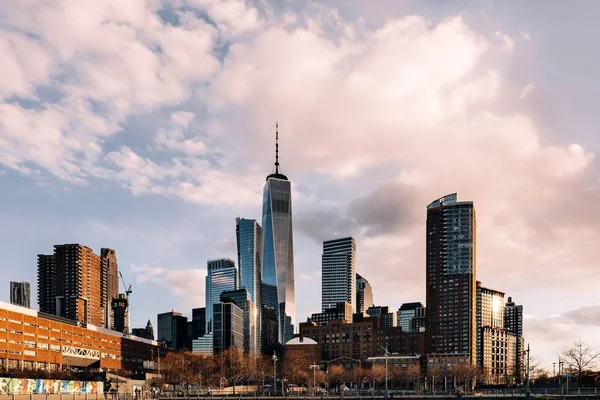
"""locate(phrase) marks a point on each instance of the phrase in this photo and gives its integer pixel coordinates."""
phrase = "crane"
(127, 289)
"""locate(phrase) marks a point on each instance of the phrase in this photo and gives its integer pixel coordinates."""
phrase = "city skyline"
(159, 169)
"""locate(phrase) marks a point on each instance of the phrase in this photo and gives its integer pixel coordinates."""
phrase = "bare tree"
(580, 357)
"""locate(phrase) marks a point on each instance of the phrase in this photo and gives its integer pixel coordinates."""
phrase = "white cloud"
(412, 101)
(187, 284)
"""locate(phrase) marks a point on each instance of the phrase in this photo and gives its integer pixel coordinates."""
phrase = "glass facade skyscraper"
(364, 294)
(451, 282)
(221, 276)
(278, 249)
(249, 237)
(338, 274)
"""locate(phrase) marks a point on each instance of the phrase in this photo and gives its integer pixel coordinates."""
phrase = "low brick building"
(30, 340)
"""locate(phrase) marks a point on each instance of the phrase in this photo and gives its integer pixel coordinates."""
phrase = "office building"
(338, 272)
(35, 340)
(228, 327)
(203, 345)
(20, 294)
(241, 298)
(249, 237)
(221, 276)
(364, 294)
(108, 258)
(406, 313)
(490, 314)
(269, 330)
(145, 333)
(387, 317)
(278, 248)
(451, 282)
(172, 330)
(198, 322)
(419, 320)
(72, 283)
(341, 311)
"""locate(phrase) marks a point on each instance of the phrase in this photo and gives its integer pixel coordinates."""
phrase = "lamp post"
(560, 367)
(386, 371)
(528, 369)
(553, 372)
(314, 367)
(275, 372)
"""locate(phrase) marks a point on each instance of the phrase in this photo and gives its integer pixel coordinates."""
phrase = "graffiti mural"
(48, 386)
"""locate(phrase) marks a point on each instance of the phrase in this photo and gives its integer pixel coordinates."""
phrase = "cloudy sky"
(147, 126)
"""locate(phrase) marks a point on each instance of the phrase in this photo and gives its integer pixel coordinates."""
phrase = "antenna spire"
(277, 147)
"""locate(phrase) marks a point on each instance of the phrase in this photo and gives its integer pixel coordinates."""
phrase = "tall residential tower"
(451, 283)
(338, 275)
(72, 283)
(278, 249)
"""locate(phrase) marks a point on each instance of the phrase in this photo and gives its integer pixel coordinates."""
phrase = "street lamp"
(275, 372)
(528, 369)
(314, 367)
(386, 371)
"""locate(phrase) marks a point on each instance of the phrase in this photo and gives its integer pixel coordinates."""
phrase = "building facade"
(278, 248)
(360, 339)
(341, 311)
(145, 333)
(451, 281)
(364, 295)
(499, 356)
(20, 294)
(387, 317)
(228, 327)
(419, 320)
(406, 313)
(72, 283)
(31, 340)
(221, 276)
(490, 314)
(172, 330)
(338, 272)
(241, 298)
(249, 237)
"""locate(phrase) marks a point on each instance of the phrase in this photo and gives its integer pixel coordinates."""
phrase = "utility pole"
(314, 367)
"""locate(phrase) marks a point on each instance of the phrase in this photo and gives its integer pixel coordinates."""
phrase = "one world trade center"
(278, 250)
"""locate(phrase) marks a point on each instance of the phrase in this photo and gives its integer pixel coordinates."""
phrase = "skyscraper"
(249, 237)
(364, 294)
(172, 329)
(20, 294)
(278, 248)
(221, 276)
(451, 283)
(108, 258)
(338, 274)
(72, 283)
